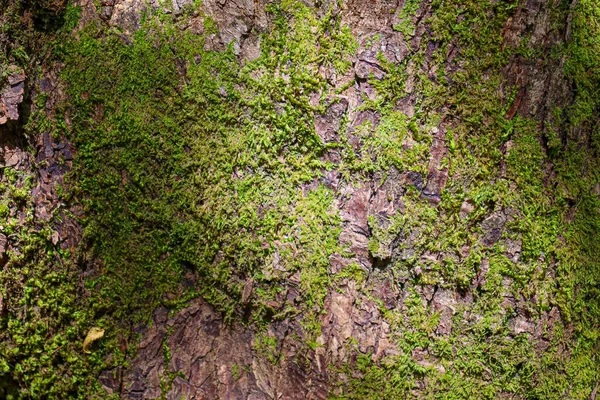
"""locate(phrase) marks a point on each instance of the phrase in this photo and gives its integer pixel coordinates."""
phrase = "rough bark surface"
(204, 350)
(211, 359)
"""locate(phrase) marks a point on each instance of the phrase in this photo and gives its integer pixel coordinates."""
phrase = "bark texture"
(198, 352)
(203, 349)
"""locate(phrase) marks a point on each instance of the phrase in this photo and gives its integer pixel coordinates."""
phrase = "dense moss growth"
(44, 311)
(202, 176)
(41, 306)
(194, 173)
(203, 172)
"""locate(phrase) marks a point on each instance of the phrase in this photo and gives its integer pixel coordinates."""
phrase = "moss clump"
(44, 313)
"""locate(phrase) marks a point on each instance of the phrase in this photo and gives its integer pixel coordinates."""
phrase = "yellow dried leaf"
(92, 335)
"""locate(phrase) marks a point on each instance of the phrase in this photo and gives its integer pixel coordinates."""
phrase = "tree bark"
(455, 276)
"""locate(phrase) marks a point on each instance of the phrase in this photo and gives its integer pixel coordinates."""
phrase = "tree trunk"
(300, 200)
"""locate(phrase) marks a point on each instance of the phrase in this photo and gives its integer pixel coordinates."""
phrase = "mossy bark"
(343, 199)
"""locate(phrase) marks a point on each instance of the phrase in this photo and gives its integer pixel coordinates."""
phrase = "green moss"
(480, 358)
(352, 271)
(45, 315)
(267, 347)
(188, 165)
(198, 175)
(406, 15)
